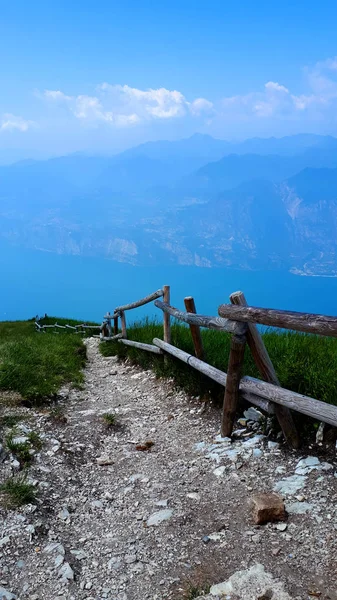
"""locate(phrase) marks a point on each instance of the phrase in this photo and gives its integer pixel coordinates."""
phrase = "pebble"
(158, 517)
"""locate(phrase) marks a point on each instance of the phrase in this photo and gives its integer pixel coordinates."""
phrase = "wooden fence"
(239, 320)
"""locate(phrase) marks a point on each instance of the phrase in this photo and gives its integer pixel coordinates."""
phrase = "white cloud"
(11, 122)
(200, 106)
(276, 100)
(123, 105)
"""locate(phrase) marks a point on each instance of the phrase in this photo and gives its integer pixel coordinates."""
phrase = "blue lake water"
(34, 282)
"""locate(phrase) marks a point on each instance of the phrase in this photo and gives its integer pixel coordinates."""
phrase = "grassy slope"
(304, 363)
(36, 365)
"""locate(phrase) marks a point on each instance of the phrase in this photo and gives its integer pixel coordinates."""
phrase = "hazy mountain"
(251, 211)
(209, 149)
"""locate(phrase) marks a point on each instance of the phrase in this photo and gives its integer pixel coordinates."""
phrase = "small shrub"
(35, 440)
(21, 450)
(109, 419)
(17, 491)
(10, 420)
(57, 415)
(194, 591)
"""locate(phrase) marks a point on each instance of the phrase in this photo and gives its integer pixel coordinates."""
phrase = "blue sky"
(103, 76)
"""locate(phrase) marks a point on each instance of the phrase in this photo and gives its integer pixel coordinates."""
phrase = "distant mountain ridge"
(192, 202)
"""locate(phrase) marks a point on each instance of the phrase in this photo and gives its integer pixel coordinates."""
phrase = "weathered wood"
(201, 320)
(111, 339)
(231, 399)
(90, 326)
(141, 302)
(123, 324)
(266, 368)
(167, 320)
(211, 372)
(195, 329)
(305, 322)
(115, 325)
(141, 346)
(322, 411)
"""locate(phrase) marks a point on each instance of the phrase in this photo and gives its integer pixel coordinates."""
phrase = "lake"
(34, 282)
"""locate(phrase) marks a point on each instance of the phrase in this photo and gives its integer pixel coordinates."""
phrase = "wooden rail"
(141, 302)
(201, 320)
(305, 322)
(239, 320)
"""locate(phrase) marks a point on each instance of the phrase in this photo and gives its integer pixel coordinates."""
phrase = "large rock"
(268, 507)
(251, 584)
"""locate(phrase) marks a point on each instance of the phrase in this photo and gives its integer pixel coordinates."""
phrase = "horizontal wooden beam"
(255, 387)
(211, 372)
(141, 346)
(304, 404)
(146, 300)
(111, 339)
(305, 322)
(201, 320)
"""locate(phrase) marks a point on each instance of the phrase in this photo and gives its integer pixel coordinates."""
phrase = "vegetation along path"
(154, 505)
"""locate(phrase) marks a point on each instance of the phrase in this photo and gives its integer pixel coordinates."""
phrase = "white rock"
(299, 508)
(66, 573)
(104, 460)
(6, 595)
(159, 516)
(193, 496)
(252, 414)
(59, 560)
(219, 471)
(21, 439)
(79, 554)
(290, 485)
(54, 547)
(4, 541)
(250, 584)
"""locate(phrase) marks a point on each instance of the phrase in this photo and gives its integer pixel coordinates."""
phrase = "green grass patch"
(16, 491)
(35, 440)
(36, 364)
(304, 363)
(109, 419)
(10, 420)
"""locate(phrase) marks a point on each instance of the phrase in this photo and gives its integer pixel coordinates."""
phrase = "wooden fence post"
(235, 363)
(267, 371)
(115, 325)
(195, 329)
(123, 323)
(167, 323)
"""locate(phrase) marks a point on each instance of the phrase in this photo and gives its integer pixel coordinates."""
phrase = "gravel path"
(154, 523)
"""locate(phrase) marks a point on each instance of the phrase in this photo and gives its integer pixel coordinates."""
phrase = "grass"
(57, 415)
(194, 591)
(35, 440)
(35, 364)
(21, 450)
(304, 363)
(17, 491)
(10, 420)
(109, 419)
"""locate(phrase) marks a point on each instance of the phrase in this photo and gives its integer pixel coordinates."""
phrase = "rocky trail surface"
(157, 505)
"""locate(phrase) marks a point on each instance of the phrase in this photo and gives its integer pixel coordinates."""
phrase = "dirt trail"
(92, 535)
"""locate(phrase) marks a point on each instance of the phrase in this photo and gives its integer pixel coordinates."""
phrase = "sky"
(101, 77)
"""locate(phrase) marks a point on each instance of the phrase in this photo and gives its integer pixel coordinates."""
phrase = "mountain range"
(259, 204)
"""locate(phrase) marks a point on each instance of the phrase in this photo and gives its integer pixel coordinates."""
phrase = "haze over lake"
(36, 282)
